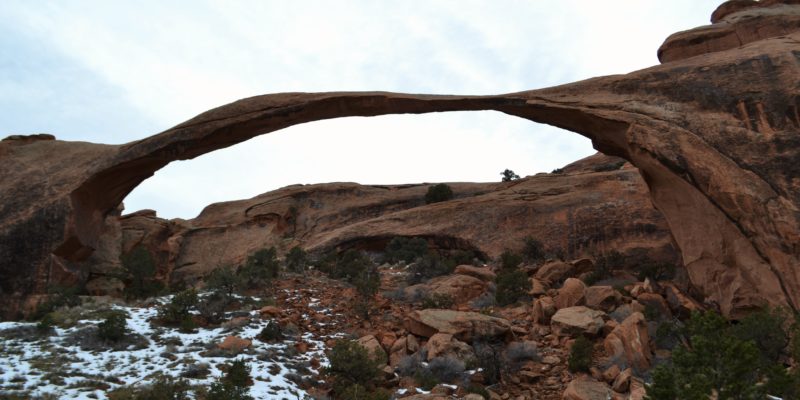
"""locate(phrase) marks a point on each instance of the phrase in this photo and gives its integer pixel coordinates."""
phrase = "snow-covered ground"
(59, 364)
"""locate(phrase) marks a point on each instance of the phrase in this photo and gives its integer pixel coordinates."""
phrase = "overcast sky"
(115, 71)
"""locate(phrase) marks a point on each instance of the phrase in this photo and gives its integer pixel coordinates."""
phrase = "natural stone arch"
(695, 127)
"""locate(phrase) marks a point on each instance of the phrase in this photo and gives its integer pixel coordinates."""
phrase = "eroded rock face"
(714, 133)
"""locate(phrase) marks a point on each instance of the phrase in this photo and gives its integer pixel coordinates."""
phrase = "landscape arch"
(696, 128)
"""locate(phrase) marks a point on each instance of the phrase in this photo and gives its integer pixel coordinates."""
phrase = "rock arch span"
(716, 136)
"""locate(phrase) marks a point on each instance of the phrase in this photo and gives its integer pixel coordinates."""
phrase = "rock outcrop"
(713, 132)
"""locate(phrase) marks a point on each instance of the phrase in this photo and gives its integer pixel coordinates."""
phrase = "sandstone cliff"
(581, 212)
(713, 131)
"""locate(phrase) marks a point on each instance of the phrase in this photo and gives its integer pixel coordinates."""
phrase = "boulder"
(680, 303)
(445, 345)
(603, 298)
(538, 287)
(577, 320)
(573, 293)
(373, 346)
(460, 288)
(543, 309)
(585, 388)
(629, 343)
(623, 381)
(555, 272)
(234, 344)
(463, 325)
(656, 303)
(482, 273)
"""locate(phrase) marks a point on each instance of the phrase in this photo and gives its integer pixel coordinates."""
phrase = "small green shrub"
(260, 268)
(509, 175)
(430, 266)
(114, 327)
(141, 270)
(425, 379)
(438, 193)
(212, 307)
(437, 300)
(511, 286)
(164, 387)
(177, 311)
(406, 249)
(489, 357)
(533, 250)
(446, 369)
(656, 271)
(296, 260)
(580, 355)
(733, 362)
(351, 363)
(224, 280)
(271, 333)
(509, 260)
(58, 296)
(517, 353)
(609, 167)
(233, 385)
(45, 324)
(350, 264)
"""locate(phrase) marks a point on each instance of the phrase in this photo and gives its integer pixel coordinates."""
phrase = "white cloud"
(172, 60)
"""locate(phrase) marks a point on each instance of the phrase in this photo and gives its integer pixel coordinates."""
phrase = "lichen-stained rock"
(715, 134)
(463, 325)
(629, 343)
(577, 320)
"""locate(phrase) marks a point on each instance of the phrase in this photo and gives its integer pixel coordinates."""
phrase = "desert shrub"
(359, 392)
(141, 270)
(367, 283)
(406, 249)
(667, 334)
(533, 250)
(409, 365)
(296, 260)
(430, 266)
(437, 300)
(233, 385)
(517, 353)
(425, 379)
(580, 355)
(656, 271)
(446, 369)
(438, 193)
(57, 297)
(489, 357)
(260, 268)
(765, 329)
(509, 260)
(512, 285)
(603, 266)
(349, 265)
(224, 280)
(509, 175)
(113, 328)
(483, 301)
(164, 387)
(45, 324)
(609, 167)
(271, 333)
(212, 307)
(351, 363)
(724, 360)
(178, 311)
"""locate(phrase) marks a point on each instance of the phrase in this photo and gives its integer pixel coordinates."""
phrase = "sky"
(115, 72)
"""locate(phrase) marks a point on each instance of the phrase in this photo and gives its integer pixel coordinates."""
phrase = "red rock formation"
(713, 132)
